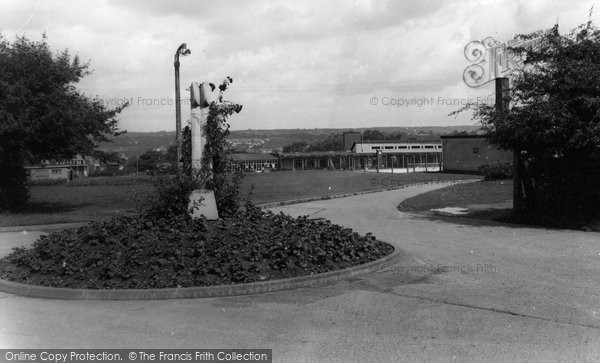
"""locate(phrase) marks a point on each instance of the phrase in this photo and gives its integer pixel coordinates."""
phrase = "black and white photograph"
(299, 181)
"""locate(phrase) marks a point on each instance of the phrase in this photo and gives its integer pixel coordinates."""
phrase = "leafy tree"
(107, 157)
(398, 135)
(555, 122)
(171, 154)
(299, 146)
(42, 115)
(333, 142)
(241, 148)
(460, 133)
(150, 160)
(371, 135)
(186, 150)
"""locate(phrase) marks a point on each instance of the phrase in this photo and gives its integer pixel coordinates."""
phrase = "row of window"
(400, 147)
(44, 173)
(71, 162)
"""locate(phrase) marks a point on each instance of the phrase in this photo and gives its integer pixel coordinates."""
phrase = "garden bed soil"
(132, 252)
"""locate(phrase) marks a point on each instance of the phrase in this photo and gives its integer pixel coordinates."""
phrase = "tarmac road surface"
(464, 291)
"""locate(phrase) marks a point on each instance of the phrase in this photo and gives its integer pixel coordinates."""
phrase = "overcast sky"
(295, 64)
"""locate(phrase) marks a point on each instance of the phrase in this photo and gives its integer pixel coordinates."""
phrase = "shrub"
(116, 180)
(561, 191)
(496, 171)
(553, 126)
(224, 183)
(139, 252)
(48, 182)
(94, 174)
(14, 188)
(227, 191)
(172, 196)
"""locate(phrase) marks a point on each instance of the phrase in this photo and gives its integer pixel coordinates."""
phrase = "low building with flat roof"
(59, 169)
(256, 162)
(466, 153)
(396, 154)
(317, 160)
(385, 154)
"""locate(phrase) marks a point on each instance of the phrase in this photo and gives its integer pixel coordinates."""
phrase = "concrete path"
(463, 292)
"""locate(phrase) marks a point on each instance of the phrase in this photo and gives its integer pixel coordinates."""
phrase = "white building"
(390, 154)
(61, 169)
(396, 147)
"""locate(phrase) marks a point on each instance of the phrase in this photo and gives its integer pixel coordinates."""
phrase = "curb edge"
(201, 291)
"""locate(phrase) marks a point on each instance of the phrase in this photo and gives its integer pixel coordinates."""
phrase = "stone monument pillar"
(200, 99)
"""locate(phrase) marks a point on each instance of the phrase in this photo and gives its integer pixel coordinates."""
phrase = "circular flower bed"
(140, 252)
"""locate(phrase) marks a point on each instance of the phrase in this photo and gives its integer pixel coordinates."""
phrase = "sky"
(294, 64)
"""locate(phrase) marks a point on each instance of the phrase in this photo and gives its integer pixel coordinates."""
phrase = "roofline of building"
(462, 136)
(395, 142)
(252, 157)
(65, 166)
(317, 153)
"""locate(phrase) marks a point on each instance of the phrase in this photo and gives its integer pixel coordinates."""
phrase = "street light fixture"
(181, 51)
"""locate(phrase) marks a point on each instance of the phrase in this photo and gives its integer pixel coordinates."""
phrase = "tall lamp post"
(182, 50)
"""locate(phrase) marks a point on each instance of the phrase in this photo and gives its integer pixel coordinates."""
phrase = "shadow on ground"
(383, 280)
(492, 218)
(487, 218)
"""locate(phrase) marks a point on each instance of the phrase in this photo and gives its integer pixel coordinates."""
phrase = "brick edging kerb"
(199, 292)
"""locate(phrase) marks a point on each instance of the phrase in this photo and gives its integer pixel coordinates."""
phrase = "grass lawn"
(81, 203)
(461, 195)
(281, 186)
(484, 200)
(62, 204)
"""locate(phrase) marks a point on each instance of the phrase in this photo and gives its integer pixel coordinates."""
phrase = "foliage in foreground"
(224, 182)
(42, 115)
(161, 246)
(555, 123)
(496, 171)
(138, 252)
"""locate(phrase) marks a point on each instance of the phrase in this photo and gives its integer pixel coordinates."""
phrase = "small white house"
(62, 169)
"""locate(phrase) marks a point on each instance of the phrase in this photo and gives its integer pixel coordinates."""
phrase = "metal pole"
(177, 112)
(181, 50)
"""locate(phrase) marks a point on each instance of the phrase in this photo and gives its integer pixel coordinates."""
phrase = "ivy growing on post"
(217, 130)
(223, 181)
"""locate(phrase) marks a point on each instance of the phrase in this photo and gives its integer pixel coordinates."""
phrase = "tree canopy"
(42, 114)
(554, 119)
(335, 141)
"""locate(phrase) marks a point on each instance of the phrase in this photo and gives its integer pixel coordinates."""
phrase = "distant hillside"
(136, 143)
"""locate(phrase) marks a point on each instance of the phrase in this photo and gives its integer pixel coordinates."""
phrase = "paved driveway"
(461, 292)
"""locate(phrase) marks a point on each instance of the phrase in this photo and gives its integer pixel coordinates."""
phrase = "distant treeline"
(133, 144)
(335, 141)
